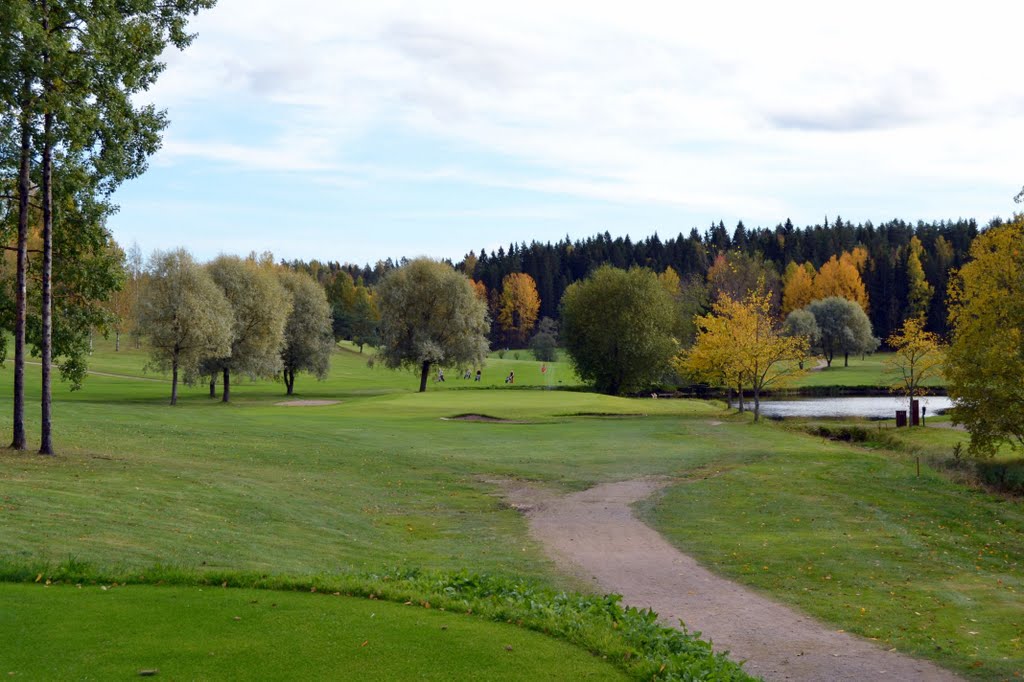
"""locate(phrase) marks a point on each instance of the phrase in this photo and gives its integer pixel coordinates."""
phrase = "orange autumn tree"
(841, 277)
(480, 289)
(518, 306)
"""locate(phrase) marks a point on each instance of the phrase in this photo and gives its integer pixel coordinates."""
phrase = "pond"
(872, 407)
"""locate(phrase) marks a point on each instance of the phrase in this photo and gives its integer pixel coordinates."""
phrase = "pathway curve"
(595, 535)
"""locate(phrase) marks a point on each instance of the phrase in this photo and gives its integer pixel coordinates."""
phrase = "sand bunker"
(482, 418)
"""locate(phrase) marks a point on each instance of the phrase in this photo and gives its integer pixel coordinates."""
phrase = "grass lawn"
(192, 633)
(868, 372)
(385, 478)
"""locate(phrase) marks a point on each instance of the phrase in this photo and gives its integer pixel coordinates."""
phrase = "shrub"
(1004, 476)
(543, 346)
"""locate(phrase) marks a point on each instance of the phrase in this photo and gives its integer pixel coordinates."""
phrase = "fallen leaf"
(364, 643)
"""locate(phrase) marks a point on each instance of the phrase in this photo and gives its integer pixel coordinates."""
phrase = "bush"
(848, 434)
(544, 347)
(1004, 476)
(856, 434)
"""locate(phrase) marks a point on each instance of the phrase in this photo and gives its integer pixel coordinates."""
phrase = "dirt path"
(594, 535)
(821, 364)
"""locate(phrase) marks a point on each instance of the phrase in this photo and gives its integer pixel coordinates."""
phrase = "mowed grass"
(195, 633)
(866, 372)
(386, 477)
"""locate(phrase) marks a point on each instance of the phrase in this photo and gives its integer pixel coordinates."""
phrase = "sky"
(358, 131)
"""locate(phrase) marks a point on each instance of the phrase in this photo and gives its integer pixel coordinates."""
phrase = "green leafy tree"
(985, 360)
(184, 315)
(430, 315)
(259, 311)
(341, 295)
(308, 340)
(73, 71)
(802, 323)
(617, 328)
(365, 318)
(843, 327)
(546, 340)
(544, 344)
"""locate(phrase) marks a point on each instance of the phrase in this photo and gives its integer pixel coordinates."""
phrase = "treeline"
(887, 271)
(946, 245)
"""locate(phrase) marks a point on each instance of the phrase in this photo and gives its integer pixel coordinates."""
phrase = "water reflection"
(872, 407)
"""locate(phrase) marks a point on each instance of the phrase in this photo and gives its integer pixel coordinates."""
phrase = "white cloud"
(729, 106)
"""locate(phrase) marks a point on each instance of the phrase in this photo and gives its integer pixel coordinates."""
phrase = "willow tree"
(183, 313)
(259, 309)
(430, 316)
(843, 327)
(308, 338)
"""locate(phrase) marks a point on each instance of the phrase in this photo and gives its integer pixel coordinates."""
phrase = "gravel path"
(595, 536)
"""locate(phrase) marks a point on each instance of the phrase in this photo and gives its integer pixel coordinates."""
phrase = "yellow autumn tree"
(797, 287)
(711, 359)
(984, 364)
(670, 281)
(919, 291)
(858, 258)
(918, 357)
(518, 306)
(742, 341)
(840, 277)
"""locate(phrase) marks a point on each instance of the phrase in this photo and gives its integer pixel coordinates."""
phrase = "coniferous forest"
(885, 271)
